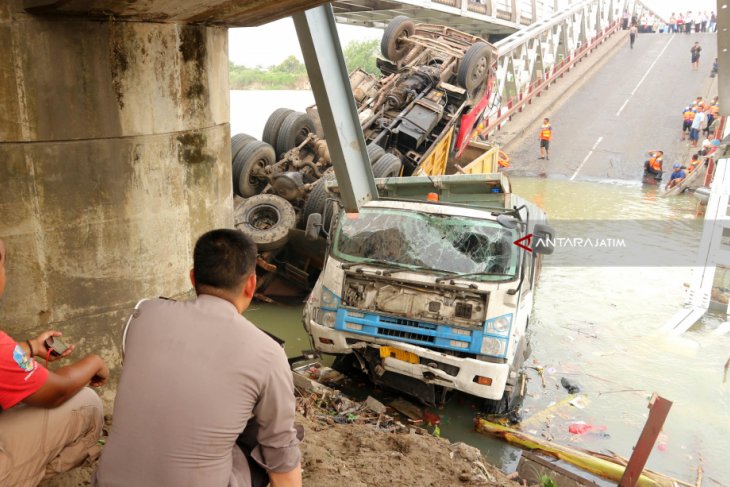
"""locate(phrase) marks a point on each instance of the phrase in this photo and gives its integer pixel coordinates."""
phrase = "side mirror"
(314, 225)
(543, 239)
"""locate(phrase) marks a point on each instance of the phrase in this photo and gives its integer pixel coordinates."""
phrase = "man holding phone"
(49, 422)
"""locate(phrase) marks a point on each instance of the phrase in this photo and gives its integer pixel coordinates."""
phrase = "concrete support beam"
(115, 157)
(337, 110)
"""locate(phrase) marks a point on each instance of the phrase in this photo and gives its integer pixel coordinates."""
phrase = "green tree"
(290, 65)
(362, 54)
(292, 74)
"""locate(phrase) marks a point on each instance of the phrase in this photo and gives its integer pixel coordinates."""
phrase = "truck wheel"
(393, 45)
(316, 201)
(474, 67)
(375, 152)
(273, 124)
(238, 142)
(248, 162)
(294, 129)
(388, 166)
(267, 219)
(510, 402)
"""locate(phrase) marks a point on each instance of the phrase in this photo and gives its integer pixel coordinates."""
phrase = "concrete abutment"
(114, 158)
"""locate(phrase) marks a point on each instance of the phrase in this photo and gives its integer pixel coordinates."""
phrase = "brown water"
(599, 327)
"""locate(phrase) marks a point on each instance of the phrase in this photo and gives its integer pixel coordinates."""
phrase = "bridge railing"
(533, 58)
(523, 12)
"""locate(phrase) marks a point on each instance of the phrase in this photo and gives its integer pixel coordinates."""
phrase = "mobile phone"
(56, 346)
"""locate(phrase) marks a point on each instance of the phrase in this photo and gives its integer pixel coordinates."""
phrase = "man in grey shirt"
(195, 375)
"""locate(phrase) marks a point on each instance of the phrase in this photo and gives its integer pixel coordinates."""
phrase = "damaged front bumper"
(429, 366)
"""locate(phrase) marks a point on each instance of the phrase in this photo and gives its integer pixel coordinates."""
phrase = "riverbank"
(363, 448)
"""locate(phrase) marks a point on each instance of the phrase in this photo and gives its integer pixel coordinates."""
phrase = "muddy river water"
(599, 326)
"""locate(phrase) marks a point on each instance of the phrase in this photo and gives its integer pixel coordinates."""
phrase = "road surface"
(632, 104)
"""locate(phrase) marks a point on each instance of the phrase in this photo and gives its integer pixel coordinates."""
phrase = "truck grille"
(405, 334)
(406, 322)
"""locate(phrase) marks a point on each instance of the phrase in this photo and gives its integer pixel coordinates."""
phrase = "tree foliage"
(291, 73)
(361, 54)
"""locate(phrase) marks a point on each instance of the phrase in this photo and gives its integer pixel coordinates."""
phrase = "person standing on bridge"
(695, 51)
(632, 36)
(694, 131)
(689, 116)
(546, 133)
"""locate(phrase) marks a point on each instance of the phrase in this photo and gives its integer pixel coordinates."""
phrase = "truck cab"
(430, 288)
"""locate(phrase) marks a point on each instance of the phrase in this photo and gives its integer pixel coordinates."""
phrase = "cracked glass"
(423, 241)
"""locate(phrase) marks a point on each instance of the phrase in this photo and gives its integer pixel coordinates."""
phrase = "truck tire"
(388, 166)
(393, 45)
(273, 124)
(316, 202)
(267, 219)
(253, 156)
(506, 405)
(375, 152)
(294, 129)
(473, 69)
(238, 142)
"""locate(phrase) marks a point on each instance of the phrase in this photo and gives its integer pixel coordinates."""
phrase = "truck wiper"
(412, 268)
(470, 274)
(347, 265)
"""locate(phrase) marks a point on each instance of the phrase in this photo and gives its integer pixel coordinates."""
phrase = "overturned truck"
(417, 119)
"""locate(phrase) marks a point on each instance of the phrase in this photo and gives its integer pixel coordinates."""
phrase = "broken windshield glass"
(423, 241)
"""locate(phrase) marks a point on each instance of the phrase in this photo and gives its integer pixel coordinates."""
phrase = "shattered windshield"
(407, 239)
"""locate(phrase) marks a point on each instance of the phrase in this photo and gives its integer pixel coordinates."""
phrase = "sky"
(271, 43)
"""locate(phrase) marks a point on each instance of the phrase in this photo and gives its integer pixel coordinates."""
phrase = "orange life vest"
(546, 133)
(689, 115)
(692, 165)
(656, 163)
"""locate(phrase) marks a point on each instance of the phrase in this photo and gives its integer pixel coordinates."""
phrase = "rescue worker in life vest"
(653, 166)
(546, 133)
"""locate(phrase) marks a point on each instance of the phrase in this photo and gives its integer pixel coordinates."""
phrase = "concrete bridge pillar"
(114, 158)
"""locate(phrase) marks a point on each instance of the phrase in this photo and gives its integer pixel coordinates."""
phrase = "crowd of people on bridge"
(698, 117)
(678, 22)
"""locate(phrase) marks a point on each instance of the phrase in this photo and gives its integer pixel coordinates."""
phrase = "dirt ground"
(358, 455)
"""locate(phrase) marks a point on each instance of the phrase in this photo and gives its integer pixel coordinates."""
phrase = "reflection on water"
(599, 327)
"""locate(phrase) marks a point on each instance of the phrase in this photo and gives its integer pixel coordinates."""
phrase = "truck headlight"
(493, 346)
(500, 325)
(328, 318)
(328, 297)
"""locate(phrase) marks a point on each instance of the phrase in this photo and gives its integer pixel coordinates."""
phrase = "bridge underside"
(377, 13)
(231, 13)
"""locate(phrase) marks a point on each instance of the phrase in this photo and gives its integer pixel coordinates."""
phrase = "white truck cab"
(428, 288)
